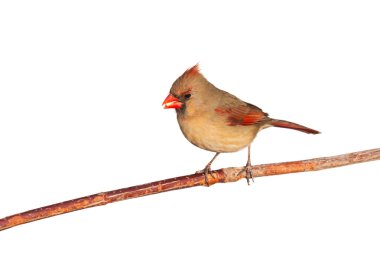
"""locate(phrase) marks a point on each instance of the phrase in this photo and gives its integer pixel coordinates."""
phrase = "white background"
(81, 87)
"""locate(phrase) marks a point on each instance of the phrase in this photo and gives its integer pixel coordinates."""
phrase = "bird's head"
(187, 91)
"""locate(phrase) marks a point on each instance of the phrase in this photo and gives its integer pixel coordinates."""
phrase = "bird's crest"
(191, 78)
(192, 71)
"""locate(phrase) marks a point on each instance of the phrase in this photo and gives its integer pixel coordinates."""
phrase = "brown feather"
(291, 125)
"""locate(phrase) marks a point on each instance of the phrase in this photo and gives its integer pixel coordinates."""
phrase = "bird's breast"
(215, 135)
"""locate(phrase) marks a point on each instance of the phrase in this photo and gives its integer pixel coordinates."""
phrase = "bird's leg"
(207, 169)
(248, 166)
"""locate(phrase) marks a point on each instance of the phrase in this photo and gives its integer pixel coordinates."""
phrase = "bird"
(215, 120)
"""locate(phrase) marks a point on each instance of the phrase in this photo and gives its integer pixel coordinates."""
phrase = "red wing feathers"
(242, 115)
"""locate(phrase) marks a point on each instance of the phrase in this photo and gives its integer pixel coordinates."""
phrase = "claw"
(248, 173)
(207, 169)
(248, 167)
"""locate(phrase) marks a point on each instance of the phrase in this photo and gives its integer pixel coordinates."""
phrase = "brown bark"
(226, 175)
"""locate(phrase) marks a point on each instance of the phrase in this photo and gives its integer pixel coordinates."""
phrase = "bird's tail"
(291, 125)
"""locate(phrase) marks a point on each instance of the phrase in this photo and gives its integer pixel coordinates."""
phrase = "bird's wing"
(238, 112)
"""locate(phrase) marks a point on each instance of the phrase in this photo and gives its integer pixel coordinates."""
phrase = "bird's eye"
(187, 96)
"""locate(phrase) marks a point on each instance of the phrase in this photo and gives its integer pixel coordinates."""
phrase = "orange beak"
(171, 102)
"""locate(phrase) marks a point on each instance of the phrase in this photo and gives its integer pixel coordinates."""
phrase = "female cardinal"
(217, 121)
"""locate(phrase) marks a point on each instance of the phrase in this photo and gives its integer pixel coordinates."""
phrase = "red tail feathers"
(291, 125)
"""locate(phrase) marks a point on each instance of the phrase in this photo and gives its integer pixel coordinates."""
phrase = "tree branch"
(226, 175)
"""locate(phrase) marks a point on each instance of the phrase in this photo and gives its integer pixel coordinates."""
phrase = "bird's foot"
(248, 172)
(206, 171)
